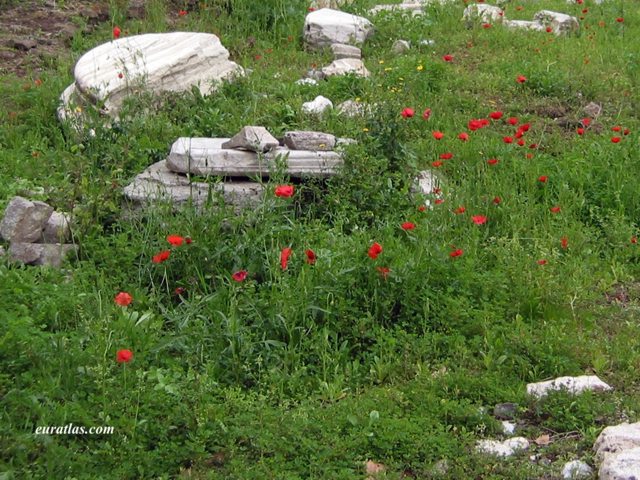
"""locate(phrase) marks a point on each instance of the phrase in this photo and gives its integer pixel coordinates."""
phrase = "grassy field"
(308, 372)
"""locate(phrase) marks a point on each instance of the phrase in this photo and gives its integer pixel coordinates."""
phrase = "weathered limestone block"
(158, 183)
(346, 66)
(155, 62)
(305, 140)
(573, 385)
(256, 139)
(205, 156)
(340, 50)
(326, 26)
(560, 22)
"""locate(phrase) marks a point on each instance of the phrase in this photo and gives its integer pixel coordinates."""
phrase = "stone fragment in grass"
(505, 448)
(306, 81)
(624, 465)
(523, 25)
(326, 26)
(255, 139)
(307, 140)
(413, 8)
(400, 46)
(48, 254)
(575, 470)
(425, 182)
(573, 385)
(617, 438)
(318, 106)
(24, 220)
(341, 50)
(351, 108)
(482, 13)
(159, 184)
(206, 157)
(505, 411)
(559, 22)
(57, 229)
(592, 109)
(508, 428)
(346, 66)
(155, 62)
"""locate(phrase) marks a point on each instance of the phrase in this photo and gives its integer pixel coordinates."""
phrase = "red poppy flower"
(240, 276)
(492, 161)
(484, 122)
(507, 139)
(486, 25)
(529, 155)
(542, 262)
(456, 253)
(448, 58)
(543, 178)
(464, 136)
(120, 75)
(446, 156)
(175, 240)
(512, 120)
(564, 242)
(436, 190)
(437, 135)
(161, 257)
(555, 209)
(459, 210)
(284, 191)
(585, 10)
(407, 113)
(408, 226)
(180, 291)
(426, 114)
(439, 201)
(422, 208)
(549, 29)
(615, 139)
(182, 13)
(634, 239)
(479, 219)
(284, 257)
(626, 131)
(521, 142)
(188, 240)
(533, 146)
(525, 127)
(384, 271)
(437, 164)
(497, 115)
(124, 356)
(580, 131)
(586, 121)
(116, 32)
(521, 79)
(123, 299)
(519, 134)
(619, 19)
(375, 250)
(311, 256)
(474, 125)
(617, 128)
(311, 9)
(497, 200)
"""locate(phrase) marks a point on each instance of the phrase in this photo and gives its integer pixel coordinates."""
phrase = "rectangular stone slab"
(158, 183)
(205, 156)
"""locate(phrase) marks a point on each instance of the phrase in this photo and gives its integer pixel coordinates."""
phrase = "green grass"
(309, 372)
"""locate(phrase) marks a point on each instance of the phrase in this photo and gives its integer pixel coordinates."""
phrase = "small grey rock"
(255, 139)
(318, 106)
(24, 44)
(47, 254)
(57, 229)
(400, 46)
(575, 470)
(306, 140)
(505, 411)
(593, 109)
(24, 220)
